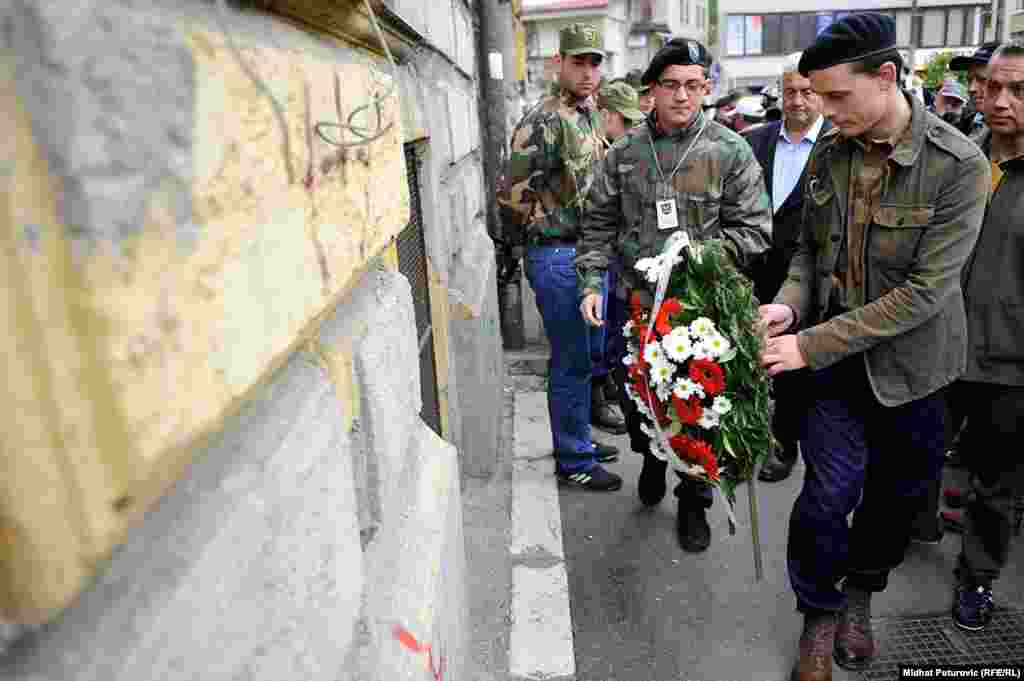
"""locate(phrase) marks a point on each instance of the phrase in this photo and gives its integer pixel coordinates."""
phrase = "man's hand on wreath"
(590, 308)
(774, 319)
(782, 353)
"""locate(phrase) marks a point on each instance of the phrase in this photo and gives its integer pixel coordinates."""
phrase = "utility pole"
(914, 23)
(496, 52)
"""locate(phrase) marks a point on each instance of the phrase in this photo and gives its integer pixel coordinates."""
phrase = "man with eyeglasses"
(991, 391)
(676, 172)
(541, 199)
(976, 66)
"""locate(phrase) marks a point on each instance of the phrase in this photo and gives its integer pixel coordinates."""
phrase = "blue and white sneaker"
(595, 479)
(973, 608)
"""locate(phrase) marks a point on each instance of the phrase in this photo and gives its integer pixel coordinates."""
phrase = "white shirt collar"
(811, 135)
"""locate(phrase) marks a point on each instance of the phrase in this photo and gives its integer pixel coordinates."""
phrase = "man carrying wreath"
(675, 172)
(893, 205)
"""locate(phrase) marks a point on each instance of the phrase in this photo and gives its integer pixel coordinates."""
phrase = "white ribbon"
(674, 245)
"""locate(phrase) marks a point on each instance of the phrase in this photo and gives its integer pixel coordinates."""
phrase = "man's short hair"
(1011, 48)
(872, 63)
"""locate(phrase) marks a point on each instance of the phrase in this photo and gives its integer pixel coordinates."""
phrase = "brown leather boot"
(816, 643)
(855, 644)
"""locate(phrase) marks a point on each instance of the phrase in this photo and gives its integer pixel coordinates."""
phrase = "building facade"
(251, 346)
(634, 30)
(754, 41)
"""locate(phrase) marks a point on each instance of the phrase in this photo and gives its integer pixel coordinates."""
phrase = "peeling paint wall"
(178, 240)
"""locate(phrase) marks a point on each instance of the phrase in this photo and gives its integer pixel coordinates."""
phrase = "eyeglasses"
(693, 87)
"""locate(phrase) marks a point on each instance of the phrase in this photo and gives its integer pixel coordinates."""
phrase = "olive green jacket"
(912, 331)
(719, 191)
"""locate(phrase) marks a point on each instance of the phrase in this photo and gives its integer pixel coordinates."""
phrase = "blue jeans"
(859, 455)
(552, 276)
(608, 344)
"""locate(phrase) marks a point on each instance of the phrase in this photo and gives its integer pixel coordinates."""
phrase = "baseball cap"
(579, 38)
(982, 55)
(622, 98)
(951, 87)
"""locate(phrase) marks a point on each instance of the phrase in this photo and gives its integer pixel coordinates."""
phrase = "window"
(684, 12)
(771, 27)
(700, 14)
(808, 31)
(790, 33)
(933, 28)
(955, 27)
(902, 28)
(532, 40)
(734, 29)
(752, 42)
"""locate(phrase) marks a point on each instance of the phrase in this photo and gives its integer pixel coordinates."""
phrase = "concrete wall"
(220, 467)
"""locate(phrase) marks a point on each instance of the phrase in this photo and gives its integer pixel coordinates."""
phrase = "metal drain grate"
(937, 641)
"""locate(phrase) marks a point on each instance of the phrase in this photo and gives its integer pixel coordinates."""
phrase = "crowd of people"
(884, 246)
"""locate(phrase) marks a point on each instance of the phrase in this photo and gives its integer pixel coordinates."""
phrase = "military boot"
(604, 413)
(816, 643)
(855, 644)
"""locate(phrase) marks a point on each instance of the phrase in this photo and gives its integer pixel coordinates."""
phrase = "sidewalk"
(644, 610)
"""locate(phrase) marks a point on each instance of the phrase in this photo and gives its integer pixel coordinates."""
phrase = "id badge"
(668, 215)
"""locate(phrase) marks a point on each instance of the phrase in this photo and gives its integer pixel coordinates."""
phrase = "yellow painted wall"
(119, 362)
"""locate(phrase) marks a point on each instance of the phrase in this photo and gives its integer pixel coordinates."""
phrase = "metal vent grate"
(412, 262)
(928, 641)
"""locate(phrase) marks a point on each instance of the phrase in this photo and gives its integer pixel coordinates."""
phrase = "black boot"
(778, 466)
(605, 414)
(692, 527)
(651, 485)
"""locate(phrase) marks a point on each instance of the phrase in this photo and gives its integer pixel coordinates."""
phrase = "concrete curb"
(541, 638)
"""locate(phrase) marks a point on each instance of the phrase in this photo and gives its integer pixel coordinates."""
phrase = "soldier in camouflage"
(677, 171)
(550, 169)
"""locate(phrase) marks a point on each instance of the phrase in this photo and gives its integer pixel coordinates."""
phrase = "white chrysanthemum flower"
(717, 345)
(685, 389)
(664, 390)
(722, 405)
(662, 371)
(629, 360)
(627, 329)
(709, 419)
(702, 327)
(678, 345)
(701, 350)
(654, 353)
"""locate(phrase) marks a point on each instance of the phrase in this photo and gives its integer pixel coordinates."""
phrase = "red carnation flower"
(689, 410)
(703, 455)
(669, 307)
(709, 375)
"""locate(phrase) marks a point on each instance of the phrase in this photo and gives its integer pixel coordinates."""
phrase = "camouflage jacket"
(549, 171)
(719, 192)
(911, 331)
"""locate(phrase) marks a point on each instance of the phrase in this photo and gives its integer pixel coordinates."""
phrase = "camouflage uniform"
(550, 170)
(719, 193)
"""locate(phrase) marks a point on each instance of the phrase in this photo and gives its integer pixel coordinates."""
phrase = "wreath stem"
(755, 530)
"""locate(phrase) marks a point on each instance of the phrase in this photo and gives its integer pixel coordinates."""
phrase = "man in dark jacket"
(992, 388)
(894, 203)
(782, 149)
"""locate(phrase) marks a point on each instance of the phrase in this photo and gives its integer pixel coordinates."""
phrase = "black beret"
(981, 56)
(852, 38)
(678, 51)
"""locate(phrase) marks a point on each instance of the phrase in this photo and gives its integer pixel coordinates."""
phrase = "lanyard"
(657, 163)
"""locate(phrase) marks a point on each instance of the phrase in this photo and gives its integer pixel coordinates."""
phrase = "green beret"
(852, 38)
